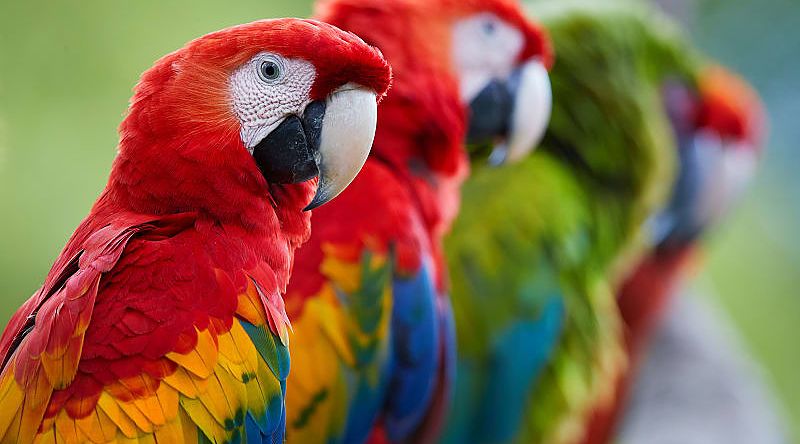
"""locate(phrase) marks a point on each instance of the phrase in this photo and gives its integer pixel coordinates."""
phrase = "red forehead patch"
(339, 57)
(381, 17)
(729, 106)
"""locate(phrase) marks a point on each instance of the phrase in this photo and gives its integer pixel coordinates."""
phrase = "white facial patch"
(484, 48)
(730, 169)
(265, 90)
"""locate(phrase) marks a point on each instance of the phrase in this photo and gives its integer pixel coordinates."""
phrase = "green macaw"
(539, 247)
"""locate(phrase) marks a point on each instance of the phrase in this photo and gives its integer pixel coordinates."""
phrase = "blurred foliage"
(67, 69)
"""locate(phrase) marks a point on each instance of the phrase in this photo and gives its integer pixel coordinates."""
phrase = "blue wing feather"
(513, 373)
(415, 361)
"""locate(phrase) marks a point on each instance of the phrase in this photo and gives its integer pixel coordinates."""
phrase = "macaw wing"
(104, 355)
(519, 356)
(506, 261)
(493, 392)
(417, 352)
(341, 347)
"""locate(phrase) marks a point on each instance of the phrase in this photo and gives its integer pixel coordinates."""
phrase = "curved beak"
(346, 138)
(331, 140)
(713, 175)
(512, 114)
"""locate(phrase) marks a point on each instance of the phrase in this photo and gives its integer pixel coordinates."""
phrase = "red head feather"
(181, 122)
(730, 107)
(422, 123)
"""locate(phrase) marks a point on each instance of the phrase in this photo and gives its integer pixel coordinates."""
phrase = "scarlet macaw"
(162, 319)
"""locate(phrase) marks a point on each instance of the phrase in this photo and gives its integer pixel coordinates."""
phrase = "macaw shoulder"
(165, 288)
(145, 314)
(93, 251)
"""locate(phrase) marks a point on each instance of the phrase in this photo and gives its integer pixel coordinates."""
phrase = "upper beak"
(512, 113)
(331, 140)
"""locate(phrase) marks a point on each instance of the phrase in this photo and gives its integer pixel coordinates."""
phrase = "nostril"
(313, 116)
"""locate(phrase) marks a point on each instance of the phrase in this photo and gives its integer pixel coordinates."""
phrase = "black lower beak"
(682, 221)
(490, 113)
(290, 153)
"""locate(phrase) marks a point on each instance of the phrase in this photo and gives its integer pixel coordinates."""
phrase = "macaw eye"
(270, 70)
(489, 27)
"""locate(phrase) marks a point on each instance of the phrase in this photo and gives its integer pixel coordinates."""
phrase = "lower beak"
(512, 114)
(330, 141)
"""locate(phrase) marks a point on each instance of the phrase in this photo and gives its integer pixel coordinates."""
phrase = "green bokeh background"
(67, 69)
(753, 262)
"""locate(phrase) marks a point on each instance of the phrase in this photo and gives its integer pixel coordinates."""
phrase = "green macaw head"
(646, 121)
(609, 121)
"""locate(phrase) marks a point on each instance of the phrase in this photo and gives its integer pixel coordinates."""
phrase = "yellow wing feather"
(325, 345)
(211, 386)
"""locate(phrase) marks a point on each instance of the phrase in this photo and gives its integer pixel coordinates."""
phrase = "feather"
(250, 307)
(186, 383)
(67, 430)
(164, 312)
(271, 349)
(202, 359)
(97, 427)
(10, 395)
(114, 412)
(199, 415)
(415, 326)
(347, 325)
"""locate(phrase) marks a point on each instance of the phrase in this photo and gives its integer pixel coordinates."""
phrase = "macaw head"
(608, 128)
(241, 113)
(719, 128)
(465, 70)
(501, 60)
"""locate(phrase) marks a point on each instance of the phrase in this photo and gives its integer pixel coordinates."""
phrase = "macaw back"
(538, 249)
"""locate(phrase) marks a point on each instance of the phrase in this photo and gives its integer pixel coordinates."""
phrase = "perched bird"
(162, 319)
(539, 246)
(373, 341)
(719, 128)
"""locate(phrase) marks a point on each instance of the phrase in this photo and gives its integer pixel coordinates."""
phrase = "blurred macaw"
(719, 127)
(162, 319)
(372, 322)
(539, 246)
